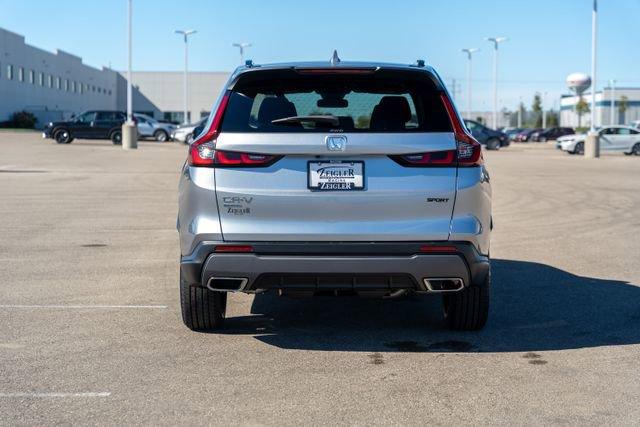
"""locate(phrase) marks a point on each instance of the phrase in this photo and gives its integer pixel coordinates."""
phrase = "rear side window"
(386, 102)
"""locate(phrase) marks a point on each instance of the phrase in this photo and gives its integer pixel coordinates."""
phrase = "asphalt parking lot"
(91, 330)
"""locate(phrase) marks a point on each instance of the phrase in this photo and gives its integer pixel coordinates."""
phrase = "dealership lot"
(91, 329)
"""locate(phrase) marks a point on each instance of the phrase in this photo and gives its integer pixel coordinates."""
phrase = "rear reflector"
(438, 249)
(435, 158)
(233, 248)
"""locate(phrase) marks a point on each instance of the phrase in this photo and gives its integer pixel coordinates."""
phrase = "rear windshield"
(375, 102)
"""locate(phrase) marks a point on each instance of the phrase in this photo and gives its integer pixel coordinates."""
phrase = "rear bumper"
(348, 266)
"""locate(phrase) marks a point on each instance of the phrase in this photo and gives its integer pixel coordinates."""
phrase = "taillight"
(202, 150)
(235, 159)
(419, 160)
(469, 150)
(438, 249)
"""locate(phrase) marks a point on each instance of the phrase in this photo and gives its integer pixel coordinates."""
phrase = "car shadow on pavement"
(535, 307)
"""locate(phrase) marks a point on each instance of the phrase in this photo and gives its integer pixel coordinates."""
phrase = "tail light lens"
(467, 153)
(233, 248)
(469, 150)
(202, 151)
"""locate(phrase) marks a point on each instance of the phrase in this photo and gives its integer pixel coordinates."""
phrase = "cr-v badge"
(336, 142)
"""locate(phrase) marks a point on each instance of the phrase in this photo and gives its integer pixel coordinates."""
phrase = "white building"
(160, 93)
(50, 85)
(604, 116)
(56, 85)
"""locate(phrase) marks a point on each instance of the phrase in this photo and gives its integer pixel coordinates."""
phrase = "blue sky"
(548, 39)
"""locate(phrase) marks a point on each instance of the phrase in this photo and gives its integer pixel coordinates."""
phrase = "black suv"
(89, 125)
(490, 138)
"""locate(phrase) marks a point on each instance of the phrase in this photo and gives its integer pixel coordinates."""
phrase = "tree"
(536, 107)
(552, 118)
(623, 104)
(581, 108)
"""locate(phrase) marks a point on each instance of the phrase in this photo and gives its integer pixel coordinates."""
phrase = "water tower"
(578, 83)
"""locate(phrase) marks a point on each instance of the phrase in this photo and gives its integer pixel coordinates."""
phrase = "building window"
(73, 86)
(80, 87)
(20, 74)
(32, 76)
(9, 72)
(58, 83)
(66, 85)
(50, 81)
(40, 79)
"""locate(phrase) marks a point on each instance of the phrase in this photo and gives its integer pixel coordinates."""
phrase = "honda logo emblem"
(336, 142)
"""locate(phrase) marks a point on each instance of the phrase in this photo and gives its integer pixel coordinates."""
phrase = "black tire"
(63, 136)
(636, 149)
(202, 309)
(579, 148)
(188, 139)
(493, 144)
(468, 309)
(161, 136)
(116, 137)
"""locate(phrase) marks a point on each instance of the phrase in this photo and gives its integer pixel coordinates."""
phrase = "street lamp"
(544, 113)
(495, 41)
(241, 46)
(128, 135)
(592, 143)
(186, 34)
(469, 52)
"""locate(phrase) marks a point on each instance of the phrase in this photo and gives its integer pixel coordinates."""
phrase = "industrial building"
(56, 85)
(626, 107)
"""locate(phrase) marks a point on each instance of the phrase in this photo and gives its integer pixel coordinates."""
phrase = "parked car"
(525, 135)
(623, 139)
(321, 178)
(90, 125)
(184, 133)
(551, 134)
(488, 137)
(512, 132)
(148, 127)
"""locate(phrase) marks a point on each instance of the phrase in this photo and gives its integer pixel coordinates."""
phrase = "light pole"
(128, 135)
(612, 83)
(241, 46)
(185, 87)
(544, 113)
(520, 113)
(592, 142)
(469, 52)
(495, 41)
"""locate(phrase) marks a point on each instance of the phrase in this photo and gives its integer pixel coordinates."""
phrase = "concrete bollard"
(129, 136)
(592, 146)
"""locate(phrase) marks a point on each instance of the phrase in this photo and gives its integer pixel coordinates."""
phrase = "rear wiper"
(328, 119)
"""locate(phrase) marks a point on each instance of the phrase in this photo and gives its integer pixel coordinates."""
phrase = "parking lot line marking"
(41, 395)
(82, 306)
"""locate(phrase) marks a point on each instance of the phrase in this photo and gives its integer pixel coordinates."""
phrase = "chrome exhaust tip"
(446, 284)
(227, 284)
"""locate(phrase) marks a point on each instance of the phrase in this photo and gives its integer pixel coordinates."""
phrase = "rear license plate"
(336, 176)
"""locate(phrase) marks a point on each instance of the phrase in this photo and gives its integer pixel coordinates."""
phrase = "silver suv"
(335, 178)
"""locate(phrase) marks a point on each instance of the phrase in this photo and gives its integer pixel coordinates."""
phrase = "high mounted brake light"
(336, 70)
(203, 150)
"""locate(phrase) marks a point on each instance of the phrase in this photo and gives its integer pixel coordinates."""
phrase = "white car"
(184, 133)
(148, 127)
(623, 139)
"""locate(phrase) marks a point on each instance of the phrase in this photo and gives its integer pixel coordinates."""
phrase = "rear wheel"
(579, 148)
(161, 136)
(493, 144)
(636, 149)
(116, 137)
(202, 309)
(468, 309)
(63, 136)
